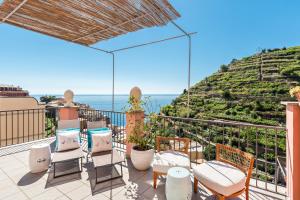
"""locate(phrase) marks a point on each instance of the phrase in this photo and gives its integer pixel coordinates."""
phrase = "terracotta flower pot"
(297, 95)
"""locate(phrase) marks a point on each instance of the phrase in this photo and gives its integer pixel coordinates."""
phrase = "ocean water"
(104, 102)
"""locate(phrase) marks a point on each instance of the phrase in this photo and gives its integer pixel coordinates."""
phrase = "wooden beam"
(111, 27)
(15, 10)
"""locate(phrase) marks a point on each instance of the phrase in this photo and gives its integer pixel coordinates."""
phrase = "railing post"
(293, 149)
(68, 113)
(134, 122)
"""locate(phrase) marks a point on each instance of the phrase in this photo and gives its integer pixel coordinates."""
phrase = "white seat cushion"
(220, 177)
(164, 160)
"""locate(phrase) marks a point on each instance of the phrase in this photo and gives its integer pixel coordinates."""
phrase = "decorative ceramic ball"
(68, 95)
(136, 93)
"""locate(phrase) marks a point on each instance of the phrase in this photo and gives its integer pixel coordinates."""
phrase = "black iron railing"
(19, 126)
(114, 120)
(266, 143)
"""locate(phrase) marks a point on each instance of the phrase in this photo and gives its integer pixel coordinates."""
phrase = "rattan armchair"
(229, 162)
(171, 152)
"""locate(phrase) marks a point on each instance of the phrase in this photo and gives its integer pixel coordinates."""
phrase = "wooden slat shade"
(86, 21)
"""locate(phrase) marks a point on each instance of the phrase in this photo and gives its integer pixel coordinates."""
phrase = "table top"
(178, 172)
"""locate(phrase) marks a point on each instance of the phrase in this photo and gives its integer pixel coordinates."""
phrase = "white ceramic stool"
(39, 158)
(178, 185)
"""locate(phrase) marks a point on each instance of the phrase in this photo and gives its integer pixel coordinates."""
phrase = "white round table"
(39, 158)
(178, 185)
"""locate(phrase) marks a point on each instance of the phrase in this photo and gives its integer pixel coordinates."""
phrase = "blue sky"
(226, 29)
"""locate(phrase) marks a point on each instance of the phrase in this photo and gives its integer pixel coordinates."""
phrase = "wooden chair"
(171, 152)
(229, 162)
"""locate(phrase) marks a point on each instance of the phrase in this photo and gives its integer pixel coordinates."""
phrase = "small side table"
(39, 158)
(178, 185)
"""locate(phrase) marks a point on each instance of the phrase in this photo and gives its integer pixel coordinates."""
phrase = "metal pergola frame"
(112, 52)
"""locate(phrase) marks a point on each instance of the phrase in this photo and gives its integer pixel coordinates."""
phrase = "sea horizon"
(146, 94)
(104, 101)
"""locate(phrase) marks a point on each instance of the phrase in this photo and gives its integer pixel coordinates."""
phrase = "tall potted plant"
(142, 151)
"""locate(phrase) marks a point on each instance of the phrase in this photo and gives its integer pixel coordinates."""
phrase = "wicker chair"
(171, 152)
(227, 176)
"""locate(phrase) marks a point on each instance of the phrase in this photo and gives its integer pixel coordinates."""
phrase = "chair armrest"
(186, 142)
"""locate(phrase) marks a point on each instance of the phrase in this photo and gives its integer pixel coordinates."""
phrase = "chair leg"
(87, 157)
(96, 179)
(247, 193)
(122, 169)
(53, 170)
(154, 180)
(195, 185)
(221, 197)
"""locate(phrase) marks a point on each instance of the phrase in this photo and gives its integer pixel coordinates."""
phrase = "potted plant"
(295, 92)
(142, 152)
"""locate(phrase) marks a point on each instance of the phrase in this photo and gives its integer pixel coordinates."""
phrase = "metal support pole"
(113, 83)
(190, 57)
(189, 69)
(152, 42)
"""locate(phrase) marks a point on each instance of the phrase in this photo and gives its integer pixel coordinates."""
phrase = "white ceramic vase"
(39, 158)
(142, 160)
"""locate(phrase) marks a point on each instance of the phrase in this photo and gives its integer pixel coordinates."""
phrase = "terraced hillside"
(248, 90)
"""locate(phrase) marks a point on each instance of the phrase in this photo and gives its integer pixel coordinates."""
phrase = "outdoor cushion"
(66, 130)
(164, 160)
(67, 140)
(106, 158)
(221, 177)
(67, 155)
(102, 142)
(90, 132)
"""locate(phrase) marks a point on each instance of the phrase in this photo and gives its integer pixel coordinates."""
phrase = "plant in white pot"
(142, 151)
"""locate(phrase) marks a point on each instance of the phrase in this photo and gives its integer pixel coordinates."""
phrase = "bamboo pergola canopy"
(86, 21)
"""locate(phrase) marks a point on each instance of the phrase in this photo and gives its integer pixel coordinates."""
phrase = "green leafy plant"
(135, 104)
(224, 68)
(144, 132)
(142, 141)
(143, 135)
(46, 99)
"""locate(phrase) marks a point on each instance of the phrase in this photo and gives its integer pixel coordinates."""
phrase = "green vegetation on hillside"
(248, 90)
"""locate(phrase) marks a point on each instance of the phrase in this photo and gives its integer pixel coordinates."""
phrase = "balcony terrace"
(16, 181)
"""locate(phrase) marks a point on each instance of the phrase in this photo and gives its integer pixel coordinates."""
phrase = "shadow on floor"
(30, 178)
(139, 182)
(63, 168)
(104, 173)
